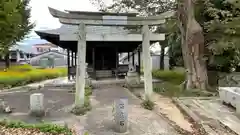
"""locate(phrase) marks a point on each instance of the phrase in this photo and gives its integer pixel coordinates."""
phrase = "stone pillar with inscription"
(37, 105)
(121, 115)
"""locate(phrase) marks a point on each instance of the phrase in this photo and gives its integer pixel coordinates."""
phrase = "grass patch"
(174, 77)
(173, 90)
(25, 74)
(77, 110)
(43, 127)
(171, 85)
(147, 104)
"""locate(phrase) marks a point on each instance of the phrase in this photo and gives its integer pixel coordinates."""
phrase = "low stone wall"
(229, 79)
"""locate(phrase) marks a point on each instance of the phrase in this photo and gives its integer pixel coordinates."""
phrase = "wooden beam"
(111, 22)
(68, 63)
(139, 61)
(117, 62)
(75, 58)
(133, 58)
(93, 62)
(112, 37)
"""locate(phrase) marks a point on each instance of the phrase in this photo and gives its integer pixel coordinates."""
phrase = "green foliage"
(88, 91)
(220, 20)
(24, 74)
(147, 104)
(174, 90)
(171, 85)
(174, 77)
(14, 23)
(45, 128)
(22, 68)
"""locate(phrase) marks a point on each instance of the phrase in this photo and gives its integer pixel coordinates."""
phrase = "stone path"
(141, 121)
(165, 106)
(212, 114)
(99, 121)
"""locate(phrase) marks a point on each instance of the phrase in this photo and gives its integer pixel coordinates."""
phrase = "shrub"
(88, 91)
(147, 104)
(175, 77)
(25, 67)
(24, 74)
(173, 90)
(45, 128)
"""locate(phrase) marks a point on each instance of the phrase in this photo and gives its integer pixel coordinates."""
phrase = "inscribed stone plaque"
(36, 102)
(121, 20)
(121, 115)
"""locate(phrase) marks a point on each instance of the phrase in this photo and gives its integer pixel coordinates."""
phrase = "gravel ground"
(23, 131)
(20, 131)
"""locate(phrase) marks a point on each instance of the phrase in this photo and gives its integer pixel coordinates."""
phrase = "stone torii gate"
(111, 19)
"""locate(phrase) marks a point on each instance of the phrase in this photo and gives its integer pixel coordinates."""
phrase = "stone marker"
(37, 104)
(121, 115)
(132, 78)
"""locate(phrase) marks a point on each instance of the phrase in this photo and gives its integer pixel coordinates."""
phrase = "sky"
(43, 20)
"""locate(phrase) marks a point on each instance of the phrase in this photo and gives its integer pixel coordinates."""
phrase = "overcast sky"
(43, 20)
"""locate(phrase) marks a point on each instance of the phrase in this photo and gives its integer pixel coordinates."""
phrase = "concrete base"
(132, 79)
(230, 95)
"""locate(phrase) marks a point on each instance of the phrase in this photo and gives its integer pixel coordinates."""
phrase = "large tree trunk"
(7, 60)
(192, 47)
(162, 57)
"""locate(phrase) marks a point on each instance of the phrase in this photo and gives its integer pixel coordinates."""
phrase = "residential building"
(41, 48)
(155, 59)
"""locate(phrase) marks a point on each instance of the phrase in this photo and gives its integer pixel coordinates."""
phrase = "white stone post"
(147, 62)
(81, 66)
(37, 104)
(121, 115)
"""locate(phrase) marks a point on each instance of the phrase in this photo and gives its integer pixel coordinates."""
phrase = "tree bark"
(7, 60)
(192, 47)
(162, 57)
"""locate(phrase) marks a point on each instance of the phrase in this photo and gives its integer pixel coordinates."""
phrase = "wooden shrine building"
(103, 43)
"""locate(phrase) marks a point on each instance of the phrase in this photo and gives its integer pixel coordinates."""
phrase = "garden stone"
(4, 107)
(132, 78)
(121, 115)
(37, 105)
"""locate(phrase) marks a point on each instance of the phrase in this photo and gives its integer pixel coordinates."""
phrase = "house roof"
(46, 44)
(45, 54)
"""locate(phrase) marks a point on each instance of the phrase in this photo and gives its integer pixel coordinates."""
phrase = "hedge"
(25, 74)
(175, 77)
